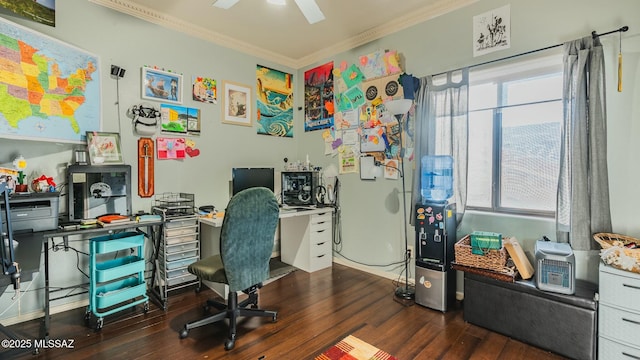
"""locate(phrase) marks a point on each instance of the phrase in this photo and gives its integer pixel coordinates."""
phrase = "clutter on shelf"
(619, 251)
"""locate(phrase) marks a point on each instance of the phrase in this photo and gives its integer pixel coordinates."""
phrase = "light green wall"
(371, 225)
(131, 43)
(373, 234)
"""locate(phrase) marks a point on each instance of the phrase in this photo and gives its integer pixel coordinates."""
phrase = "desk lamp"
(399, 109)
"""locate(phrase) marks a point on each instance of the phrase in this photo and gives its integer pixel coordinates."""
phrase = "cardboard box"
(519, 257)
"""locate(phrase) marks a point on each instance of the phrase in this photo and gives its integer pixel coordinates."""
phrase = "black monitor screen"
(244, 178)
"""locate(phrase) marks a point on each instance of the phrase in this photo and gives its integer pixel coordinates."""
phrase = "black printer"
(34, 211)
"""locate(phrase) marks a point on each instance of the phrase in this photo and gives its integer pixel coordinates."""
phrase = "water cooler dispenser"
(435, 225)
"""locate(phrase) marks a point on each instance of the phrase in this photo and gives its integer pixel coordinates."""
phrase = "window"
(515, 124)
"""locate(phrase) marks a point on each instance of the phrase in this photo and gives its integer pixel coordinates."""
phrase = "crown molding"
(419, 16)
(426, 13)
(176, 24)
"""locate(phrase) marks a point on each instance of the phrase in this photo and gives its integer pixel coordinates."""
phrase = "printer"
(33, 212)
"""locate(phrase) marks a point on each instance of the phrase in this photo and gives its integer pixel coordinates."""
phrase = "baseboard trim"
(38, 314)
(384, 274)
(82, 303)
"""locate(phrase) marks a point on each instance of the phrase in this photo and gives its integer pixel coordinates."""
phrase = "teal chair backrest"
(247, 236)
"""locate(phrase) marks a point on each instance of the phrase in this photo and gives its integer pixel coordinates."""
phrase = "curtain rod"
(593, 35)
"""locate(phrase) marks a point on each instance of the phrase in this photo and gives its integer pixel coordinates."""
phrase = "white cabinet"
(306, 239)
(619, 314)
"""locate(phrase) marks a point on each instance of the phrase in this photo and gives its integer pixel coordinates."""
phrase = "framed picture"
(236, 104)
(104, 148)
(161, 85)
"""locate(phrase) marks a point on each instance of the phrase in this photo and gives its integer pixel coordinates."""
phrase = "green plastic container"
(482, 241)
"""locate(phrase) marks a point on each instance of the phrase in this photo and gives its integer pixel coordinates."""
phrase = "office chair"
(246, 242)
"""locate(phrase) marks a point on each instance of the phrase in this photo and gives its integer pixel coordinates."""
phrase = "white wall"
(371, 224)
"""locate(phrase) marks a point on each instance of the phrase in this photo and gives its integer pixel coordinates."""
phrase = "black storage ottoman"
(564, 324)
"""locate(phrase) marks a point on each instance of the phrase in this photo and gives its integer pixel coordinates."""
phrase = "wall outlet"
(410, 252)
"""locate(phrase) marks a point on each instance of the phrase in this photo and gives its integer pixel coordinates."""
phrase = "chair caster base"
(229, 344)
(184, 333)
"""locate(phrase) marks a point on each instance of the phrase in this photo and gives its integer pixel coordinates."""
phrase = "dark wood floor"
(314, 311)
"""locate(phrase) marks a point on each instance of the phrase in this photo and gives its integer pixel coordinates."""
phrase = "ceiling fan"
(309, 8)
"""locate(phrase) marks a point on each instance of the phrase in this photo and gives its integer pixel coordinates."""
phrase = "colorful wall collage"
(347, 103)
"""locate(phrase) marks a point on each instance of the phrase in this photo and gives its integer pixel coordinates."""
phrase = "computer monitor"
(244, 178)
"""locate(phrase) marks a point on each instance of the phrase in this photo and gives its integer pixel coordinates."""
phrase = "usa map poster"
(49, 90)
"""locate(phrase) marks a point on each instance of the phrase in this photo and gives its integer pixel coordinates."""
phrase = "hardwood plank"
(314, 312)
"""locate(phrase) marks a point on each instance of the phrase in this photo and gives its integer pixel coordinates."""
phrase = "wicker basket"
(495, 260)
(615, 251)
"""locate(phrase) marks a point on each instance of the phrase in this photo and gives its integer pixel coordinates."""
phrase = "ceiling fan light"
(277, 2)
(224, 4)
(310, 10)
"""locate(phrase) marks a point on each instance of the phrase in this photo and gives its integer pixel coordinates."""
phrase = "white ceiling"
(281, 33)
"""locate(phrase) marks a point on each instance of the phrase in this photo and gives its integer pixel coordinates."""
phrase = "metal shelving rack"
(179, 245)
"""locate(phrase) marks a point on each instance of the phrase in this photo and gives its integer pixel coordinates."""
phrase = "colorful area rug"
(352, 348)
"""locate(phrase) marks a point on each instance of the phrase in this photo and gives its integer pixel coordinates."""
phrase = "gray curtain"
(441, 128)
(583, 187)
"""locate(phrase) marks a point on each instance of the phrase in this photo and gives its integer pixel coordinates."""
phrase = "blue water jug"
(437, 178)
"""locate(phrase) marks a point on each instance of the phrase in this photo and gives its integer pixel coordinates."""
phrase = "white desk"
(306, 239)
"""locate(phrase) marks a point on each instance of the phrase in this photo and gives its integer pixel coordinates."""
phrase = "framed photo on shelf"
(104, 148)
(236, 104)
(160, 85)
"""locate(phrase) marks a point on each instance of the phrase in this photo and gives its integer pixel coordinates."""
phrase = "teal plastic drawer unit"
(117, 283)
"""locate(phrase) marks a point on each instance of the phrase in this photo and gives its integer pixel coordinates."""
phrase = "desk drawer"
(619, 288)
(170, 224)
(175, 277)
(610, 349)
(320, 235)
(176, 273)
(181, 239)
(171, 265)
(178, 231)
(618, 324)
(181, 255)
(324, 226)
(320, 261)
(182, 246)
(181, 279)
(320, 251)
(321, 218)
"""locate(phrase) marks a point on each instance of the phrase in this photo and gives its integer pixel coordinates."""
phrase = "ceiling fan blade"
(225, 4)
(310, 10)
